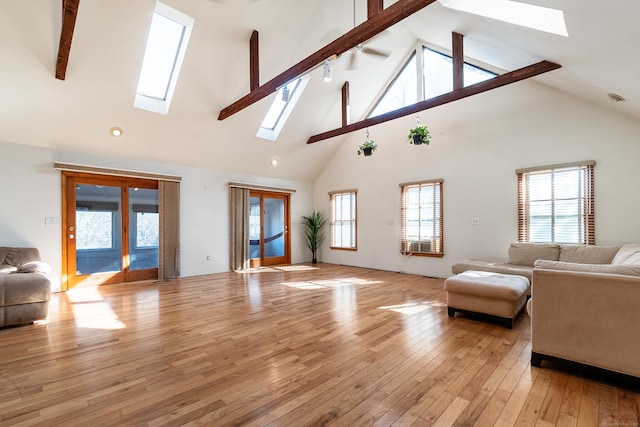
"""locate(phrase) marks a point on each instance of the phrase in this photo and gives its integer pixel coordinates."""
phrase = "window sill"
(426, 254)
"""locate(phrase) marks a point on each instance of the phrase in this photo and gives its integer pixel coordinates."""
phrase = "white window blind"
(343, 220)
(422, 218)
(556, 204)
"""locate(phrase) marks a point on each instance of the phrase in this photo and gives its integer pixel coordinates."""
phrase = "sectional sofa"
(25, 286)
(585, 304)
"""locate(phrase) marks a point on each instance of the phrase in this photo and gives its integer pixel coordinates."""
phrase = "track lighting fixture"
(326, 73)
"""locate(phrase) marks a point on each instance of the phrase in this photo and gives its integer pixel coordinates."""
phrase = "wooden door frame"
(69, 179)
(286, 197)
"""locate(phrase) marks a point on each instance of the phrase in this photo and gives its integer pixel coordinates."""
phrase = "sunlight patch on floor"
(277, 268)
(412, 307)
(295, 268)
(91, 311)
(330, 283)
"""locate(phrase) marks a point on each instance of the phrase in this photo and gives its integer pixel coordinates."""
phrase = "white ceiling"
(599, 56)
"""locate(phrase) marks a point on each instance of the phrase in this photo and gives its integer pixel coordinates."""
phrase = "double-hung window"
(556, 204)
(421, 218)
(343, 219)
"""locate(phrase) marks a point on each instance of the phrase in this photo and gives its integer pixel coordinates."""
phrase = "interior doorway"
(110, 229)
(269, 240)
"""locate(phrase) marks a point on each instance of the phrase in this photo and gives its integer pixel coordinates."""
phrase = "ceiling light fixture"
(274, 162)
(614, 97)
(116, 131)
(326, 71)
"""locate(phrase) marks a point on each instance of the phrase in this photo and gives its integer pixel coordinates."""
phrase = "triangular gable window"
(433, 78)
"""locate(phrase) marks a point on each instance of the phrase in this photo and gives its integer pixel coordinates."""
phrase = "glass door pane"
(254, 228)
(98, 223)
(273, 227)
(144, 228)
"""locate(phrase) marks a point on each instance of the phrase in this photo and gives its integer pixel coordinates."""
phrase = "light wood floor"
(295, 346)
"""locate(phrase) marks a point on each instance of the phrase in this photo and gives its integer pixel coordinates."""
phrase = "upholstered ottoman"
(494, 294)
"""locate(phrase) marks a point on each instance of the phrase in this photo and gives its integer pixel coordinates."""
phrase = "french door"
(110, 229)
(269, 228)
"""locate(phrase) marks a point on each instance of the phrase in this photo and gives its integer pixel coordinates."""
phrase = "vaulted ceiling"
(598, 57)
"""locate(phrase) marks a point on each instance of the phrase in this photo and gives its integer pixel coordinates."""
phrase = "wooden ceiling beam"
(69, 14)
(494, 83)
(377, 23)
(254, 62)
(373, 7)
(346, 119)
(457, 54)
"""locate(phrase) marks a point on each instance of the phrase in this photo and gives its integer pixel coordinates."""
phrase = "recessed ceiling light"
(116, 131)
(274, 162)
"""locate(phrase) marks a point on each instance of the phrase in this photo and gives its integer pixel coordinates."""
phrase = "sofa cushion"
(6, 268)
(528, 253)
(18, 256)
(4, 251)
(628, 270)
(588, 254)
(24, 288)
(628, 255)
(35, 267)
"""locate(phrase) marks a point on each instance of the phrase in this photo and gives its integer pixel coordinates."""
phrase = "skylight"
(281, 108)
(435, 77)
(526, 15)
(166, 46)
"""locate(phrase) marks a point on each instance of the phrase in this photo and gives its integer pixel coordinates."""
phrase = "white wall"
(477, 145)
(31, 193)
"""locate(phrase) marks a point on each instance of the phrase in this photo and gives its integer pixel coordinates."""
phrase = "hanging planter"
(419, 135)
(368, 147)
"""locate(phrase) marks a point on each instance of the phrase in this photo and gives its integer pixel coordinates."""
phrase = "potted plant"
(419, 135)
(313, 233)
(368, 147)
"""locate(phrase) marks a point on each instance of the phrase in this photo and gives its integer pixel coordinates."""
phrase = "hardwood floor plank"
(628, 408)
(530, 412)
(552, 401)
(588, 414)
(292, 345)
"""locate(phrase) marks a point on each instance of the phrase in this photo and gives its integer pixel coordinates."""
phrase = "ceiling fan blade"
(351, 65)
(376, 52)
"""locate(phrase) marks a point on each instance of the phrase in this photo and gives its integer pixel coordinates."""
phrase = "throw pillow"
(35, 267)
(628, 255)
